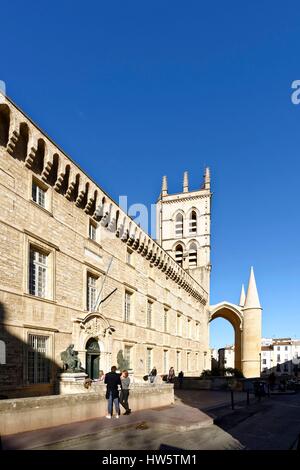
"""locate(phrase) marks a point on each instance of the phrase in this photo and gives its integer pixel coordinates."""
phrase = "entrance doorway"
(92, 358)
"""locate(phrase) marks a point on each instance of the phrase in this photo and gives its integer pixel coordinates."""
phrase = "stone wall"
(27, 414)
(61, 230)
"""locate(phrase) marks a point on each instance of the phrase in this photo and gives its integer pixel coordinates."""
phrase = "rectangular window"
(278, 357)
(149, 314)
(127, 356)
(38, 370)
(264, 361)
(92, 230)
(38, 194)
(178, 360)
(197, 331)
(38, 272)
(178, 325)
(278, 348)
(188, 361)
(285, 348)
(189, 331)
(129, 256)
(149, 360)
(91, 293)
(165, 361)
(165, 320)
(127, 306)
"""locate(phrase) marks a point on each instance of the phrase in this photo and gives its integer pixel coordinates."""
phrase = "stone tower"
(183, 227)
(251, 338)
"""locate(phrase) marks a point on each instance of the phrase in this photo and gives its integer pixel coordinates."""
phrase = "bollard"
(232, 401)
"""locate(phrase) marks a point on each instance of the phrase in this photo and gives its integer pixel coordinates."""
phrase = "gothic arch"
(193, 247)
(192, 209)
(178, 224)
(234, 315)
(178, 211)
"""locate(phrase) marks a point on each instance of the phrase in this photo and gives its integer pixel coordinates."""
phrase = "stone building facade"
(75, 269)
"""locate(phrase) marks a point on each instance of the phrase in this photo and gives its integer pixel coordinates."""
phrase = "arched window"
(193, 222)
(2, 352)
(179, 225)
(179, 254)
(193, 255)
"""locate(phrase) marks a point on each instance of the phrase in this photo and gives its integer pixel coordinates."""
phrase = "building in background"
(226, 357)
(278, 355)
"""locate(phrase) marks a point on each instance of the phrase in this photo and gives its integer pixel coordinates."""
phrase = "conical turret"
(242, 297)
(207, 178)
(164, 186)
(185, 182)
(252, 299)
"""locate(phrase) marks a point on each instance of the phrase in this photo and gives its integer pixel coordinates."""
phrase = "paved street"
(273, 423)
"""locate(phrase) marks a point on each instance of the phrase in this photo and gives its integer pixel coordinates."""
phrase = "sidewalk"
(176, 418)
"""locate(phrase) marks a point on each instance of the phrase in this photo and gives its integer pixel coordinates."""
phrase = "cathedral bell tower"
(183, 227)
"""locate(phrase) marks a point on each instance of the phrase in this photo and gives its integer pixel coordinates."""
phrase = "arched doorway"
(232, 314)
(92, 358)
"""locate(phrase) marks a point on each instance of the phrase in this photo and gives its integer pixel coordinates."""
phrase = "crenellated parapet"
(26, 142)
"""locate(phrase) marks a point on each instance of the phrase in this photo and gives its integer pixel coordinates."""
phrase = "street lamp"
(260, 364)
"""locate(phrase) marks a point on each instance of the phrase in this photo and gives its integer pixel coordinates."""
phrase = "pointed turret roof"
(185, 182)
(252, 299)
(242, 297)
(164, 186)
(207, 178)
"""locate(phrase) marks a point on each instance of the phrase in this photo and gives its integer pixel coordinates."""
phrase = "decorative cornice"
(71, 182)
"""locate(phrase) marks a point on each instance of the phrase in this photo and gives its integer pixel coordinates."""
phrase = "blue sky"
(135, 90)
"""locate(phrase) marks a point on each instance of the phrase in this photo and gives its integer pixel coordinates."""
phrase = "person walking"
(171, 376)
(180, 378)
(125, 382)
(112, 381)
(152, 375)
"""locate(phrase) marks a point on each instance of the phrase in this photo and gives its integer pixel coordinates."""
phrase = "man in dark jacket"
(112, 380)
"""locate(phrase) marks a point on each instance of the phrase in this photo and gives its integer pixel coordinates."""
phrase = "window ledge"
(41, 207)
(36, 297)
(94, 242)
(130, 265)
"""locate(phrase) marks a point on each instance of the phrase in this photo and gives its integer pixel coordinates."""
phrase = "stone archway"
(233, 314)
(92, 329)
(92, 366)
